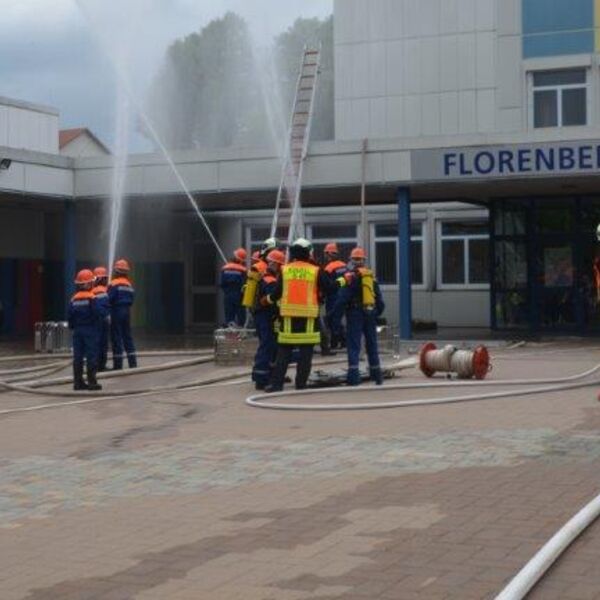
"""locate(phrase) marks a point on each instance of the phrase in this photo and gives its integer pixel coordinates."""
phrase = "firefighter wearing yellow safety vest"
(298, 288)
(360, 298)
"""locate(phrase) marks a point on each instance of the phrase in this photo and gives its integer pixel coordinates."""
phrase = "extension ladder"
(297, 146)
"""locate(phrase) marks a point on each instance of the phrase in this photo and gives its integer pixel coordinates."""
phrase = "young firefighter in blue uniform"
(100, 292)
(361, 298)
(335, 268)
(233, 279)
(84, 316)
(265, 315)
(120, 296)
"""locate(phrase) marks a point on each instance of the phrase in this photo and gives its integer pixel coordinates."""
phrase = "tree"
(200, 96)
(288, 51)
(207, 93)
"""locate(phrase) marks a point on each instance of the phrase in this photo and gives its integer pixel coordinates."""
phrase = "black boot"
(132, 361)
(93, 384)
(78, 382)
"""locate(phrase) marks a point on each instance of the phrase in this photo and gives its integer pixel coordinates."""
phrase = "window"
(257, 235)
(463, 254)
(343, 235)
(559, 98)
(385, 252)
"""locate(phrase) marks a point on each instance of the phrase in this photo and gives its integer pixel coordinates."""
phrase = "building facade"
(485, 113)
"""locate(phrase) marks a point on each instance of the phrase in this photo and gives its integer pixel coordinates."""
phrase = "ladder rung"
(301, 112)
(311, 52)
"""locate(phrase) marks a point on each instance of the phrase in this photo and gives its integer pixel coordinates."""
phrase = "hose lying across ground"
(558, 384)
(535, 569)
(523, 582)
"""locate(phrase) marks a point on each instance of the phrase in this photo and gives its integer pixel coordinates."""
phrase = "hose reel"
(465, 363)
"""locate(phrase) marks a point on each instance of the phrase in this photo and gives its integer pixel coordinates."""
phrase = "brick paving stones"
(195, 495)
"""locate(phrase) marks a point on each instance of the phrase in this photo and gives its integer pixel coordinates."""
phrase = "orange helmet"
(100, 272)
(331, 248)
(122, 266)
(255, 256)
(240, 254)
(84, 276)
(276, 256)
(358, 253)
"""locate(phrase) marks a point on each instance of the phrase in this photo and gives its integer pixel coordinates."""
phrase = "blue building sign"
(525, 160)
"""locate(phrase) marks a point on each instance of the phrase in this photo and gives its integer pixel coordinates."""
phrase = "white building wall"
(83, 146)
(26, 126)
(411, 68)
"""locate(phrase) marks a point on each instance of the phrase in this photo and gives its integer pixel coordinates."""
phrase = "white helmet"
(269, 244)
(302, 243)
(598, 232)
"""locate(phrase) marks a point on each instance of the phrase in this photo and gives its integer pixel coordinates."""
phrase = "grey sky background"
(50, 55)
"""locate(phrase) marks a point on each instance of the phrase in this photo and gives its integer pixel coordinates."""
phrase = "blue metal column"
(69, 251)
(404, 272)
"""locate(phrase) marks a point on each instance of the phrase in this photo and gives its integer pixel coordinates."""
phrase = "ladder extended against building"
(290, 186)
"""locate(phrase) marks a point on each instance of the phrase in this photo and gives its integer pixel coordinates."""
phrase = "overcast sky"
(49, 54)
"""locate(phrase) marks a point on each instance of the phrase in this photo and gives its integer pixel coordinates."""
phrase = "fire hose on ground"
(533, 571)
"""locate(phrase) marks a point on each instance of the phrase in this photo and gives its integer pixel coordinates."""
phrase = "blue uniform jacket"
(83, 311)
(349, 297)
(233, 277)
(120, 292)
(102, 302)
(266, 287)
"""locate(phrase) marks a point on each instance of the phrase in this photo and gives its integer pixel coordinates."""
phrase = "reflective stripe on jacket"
(295, 331)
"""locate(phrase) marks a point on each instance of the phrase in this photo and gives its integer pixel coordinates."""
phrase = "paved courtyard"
(193, 495)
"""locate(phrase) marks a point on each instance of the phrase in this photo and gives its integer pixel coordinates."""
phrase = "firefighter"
(233, 279)
(267, 246)
(265, 316)
(257, 270)
(84, 318)
(297, 291)
(100, 292)
(335, 268)
(360, 298)
(121, 296)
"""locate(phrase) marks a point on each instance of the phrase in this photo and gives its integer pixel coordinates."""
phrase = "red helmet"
(84, 276)
(255, 256)
(358, 253)
(276, 256)
(240, 254)
(100, 272)
(331, 248)
(122, 266)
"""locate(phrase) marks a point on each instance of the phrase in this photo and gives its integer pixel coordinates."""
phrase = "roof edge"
(48, 110)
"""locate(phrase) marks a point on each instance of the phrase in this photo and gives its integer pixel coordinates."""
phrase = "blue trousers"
(267, 348)
(234, 311)
(85, 348)
(120, 333)
(334, 325)
(103, 331)
(359, 323)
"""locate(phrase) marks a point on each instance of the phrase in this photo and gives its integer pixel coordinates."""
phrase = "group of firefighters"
(97, 309)
(283, 296)
(285, 299)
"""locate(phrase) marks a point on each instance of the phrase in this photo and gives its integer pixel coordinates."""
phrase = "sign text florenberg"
(506, 161)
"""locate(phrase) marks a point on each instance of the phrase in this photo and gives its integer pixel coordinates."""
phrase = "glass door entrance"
(547, 264)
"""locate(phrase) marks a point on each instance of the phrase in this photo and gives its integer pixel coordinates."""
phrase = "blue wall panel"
(557, 44)
(557, 27)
